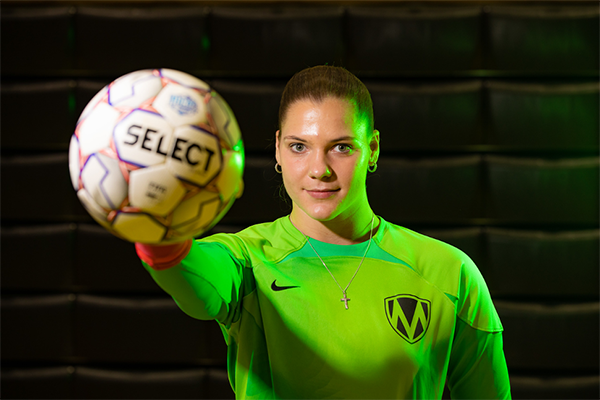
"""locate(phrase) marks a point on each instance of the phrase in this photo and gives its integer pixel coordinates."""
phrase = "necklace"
(345, 299)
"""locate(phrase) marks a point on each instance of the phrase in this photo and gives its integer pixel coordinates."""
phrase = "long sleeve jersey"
(418, 315)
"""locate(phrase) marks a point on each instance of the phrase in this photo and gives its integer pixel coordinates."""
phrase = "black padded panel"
(40, 189)
(38, 257)
(431, 190)
(421, 115)
(541, 116)
(413, 38)
(553, 387)
(121, 40)
(143, 330)
(105, 263)
(543, 38)
(550, 337)
(278, 41)
(134, 383)
(256, 108)
(260, 201)
(36, 39)
(36, 327)
(51, 102)
(446, 393)
(544, 264)
(469, 240)
(32, 382)
(531, 190)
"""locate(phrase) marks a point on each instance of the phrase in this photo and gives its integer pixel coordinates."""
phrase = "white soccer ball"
(157, 157)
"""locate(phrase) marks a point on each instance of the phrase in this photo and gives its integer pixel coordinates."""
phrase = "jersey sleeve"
(477, 368)
(474, 303)
(207, 283)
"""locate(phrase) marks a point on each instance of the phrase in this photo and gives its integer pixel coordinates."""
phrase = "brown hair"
(317, 83)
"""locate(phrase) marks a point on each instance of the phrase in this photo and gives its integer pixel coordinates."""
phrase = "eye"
(297, 147)
(343, 147)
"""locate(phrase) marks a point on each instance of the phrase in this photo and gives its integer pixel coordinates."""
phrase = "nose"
(320, 168)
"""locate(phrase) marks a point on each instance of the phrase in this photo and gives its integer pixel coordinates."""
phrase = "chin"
(321, 213)
(320, 210)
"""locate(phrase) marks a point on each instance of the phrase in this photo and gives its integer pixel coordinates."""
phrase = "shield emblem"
(408, 315)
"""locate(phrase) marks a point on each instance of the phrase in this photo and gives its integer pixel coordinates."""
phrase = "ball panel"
(96, 130)
(196, 212)
(184, 79)
(143, 138)
(133, 89)
(227, 125)
(102, 178)
(180, 105)
(138, 227)
(99, 215)
(229, 182)
(74, 165)
(155, 190)
(204, 222)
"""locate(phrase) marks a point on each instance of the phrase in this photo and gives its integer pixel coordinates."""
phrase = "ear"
(277, 146)
(374, 146)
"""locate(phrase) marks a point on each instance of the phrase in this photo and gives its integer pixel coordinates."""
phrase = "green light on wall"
(559, 42)
(205, 43)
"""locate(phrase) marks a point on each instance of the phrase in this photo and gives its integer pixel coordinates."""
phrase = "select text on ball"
(181, 150)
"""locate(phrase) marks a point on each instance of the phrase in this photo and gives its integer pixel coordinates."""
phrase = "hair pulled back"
(320, 82)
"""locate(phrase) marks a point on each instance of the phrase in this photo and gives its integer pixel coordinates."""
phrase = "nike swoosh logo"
(278, 288)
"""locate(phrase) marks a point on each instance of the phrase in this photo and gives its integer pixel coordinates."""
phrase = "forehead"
(323, 116)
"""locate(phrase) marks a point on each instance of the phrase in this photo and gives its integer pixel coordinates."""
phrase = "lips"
(322, 193)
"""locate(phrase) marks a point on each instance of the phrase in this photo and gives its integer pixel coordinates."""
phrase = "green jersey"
(417, 314)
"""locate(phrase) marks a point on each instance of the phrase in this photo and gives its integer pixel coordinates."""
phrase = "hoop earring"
(372, 168)
(278, 168)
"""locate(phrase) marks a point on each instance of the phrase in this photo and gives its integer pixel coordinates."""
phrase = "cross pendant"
(345, 300)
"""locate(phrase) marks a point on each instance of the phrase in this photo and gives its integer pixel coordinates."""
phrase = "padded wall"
(489, 119)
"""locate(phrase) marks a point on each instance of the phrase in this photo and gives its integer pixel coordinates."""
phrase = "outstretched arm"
(204, 279)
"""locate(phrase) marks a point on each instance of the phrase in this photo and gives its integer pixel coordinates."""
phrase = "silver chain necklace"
(345, 299)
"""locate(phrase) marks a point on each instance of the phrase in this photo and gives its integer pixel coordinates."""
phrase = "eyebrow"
(295, 138)
(343, 138)
(298, 139)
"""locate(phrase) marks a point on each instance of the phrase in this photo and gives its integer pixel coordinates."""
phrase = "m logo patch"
(408, 315)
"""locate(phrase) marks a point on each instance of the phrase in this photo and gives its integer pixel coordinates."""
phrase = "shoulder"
(270, 240)
(419, 250)
(449, 269)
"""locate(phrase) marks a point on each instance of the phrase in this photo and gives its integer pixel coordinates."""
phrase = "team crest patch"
(409, 316)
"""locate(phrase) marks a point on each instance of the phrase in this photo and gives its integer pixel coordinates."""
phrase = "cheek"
(357, 176)
(290, 168)
(291, 174)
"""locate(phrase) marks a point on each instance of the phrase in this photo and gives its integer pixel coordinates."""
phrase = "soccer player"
(333, 301)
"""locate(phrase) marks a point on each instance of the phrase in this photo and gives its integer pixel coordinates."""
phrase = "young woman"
(333, 301)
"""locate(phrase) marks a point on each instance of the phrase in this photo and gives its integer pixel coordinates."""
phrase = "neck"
(339, 230)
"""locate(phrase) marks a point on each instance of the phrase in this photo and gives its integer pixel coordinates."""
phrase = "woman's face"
(324, 150)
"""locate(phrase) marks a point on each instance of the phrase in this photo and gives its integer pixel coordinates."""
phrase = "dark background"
(488, 113)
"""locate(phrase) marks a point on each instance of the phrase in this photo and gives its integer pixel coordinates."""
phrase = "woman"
(333, 301)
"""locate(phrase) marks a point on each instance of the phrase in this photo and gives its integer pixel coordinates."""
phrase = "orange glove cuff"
(160, 257)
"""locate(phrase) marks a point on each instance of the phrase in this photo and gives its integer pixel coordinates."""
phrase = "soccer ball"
(157, 157)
